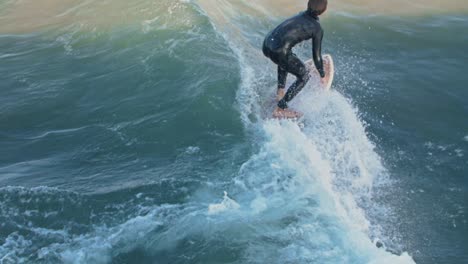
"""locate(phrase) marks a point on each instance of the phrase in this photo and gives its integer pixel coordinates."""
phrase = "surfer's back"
(292, 31)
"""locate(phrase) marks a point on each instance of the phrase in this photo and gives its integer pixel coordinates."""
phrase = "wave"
(310, 183)
(304, 196)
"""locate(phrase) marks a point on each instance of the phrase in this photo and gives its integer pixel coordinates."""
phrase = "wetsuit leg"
(282, 76)
(294, 66)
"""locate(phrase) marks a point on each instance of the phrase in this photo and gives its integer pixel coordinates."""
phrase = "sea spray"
(353, 161)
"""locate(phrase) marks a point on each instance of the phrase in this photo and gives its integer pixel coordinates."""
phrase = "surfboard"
(329, 68)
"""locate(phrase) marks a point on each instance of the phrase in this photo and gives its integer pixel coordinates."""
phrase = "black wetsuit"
(279, 43)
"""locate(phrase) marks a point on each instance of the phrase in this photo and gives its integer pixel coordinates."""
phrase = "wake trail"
(320, 172)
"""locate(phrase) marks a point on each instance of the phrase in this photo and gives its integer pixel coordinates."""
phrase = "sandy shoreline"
(32, 15)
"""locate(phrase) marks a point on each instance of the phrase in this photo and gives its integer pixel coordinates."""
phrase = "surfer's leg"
(296, 67)
(282, 76)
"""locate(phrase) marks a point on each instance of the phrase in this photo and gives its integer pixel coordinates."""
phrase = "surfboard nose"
(329, 68)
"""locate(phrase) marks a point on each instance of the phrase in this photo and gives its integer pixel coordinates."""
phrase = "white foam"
(192, 150)
(98, 246)
(259, 204)
(226, 205)
(13, 247)
(309, 177)
(333, 172)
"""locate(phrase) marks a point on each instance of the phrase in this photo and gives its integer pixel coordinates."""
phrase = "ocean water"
(136, 132)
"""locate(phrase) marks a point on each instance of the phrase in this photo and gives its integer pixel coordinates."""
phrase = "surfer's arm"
(317, 52)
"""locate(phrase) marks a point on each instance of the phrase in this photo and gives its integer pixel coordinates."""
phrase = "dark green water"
(117, 144)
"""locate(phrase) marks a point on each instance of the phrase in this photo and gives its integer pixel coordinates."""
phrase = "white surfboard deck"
(329, 68)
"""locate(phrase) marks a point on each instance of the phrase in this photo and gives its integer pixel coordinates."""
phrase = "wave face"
(146, 138)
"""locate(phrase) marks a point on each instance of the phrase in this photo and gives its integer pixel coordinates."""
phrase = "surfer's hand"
(322, 73)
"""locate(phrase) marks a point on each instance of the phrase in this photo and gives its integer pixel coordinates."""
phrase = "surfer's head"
(317, 7)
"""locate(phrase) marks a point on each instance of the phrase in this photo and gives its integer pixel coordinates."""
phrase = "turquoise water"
(146, 142)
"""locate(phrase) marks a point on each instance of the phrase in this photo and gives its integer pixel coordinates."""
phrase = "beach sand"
(33, 15)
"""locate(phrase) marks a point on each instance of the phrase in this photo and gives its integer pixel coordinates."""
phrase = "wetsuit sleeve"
(317, 52)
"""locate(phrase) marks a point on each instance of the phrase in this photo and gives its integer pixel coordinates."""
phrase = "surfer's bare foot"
(280, 94)
(286, 113)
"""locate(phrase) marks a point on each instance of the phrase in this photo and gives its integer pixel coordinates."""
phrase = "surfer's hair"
(317, 7)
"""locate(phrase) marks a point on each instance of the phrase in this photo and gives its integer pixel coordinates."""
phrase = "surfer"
(278, 46)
